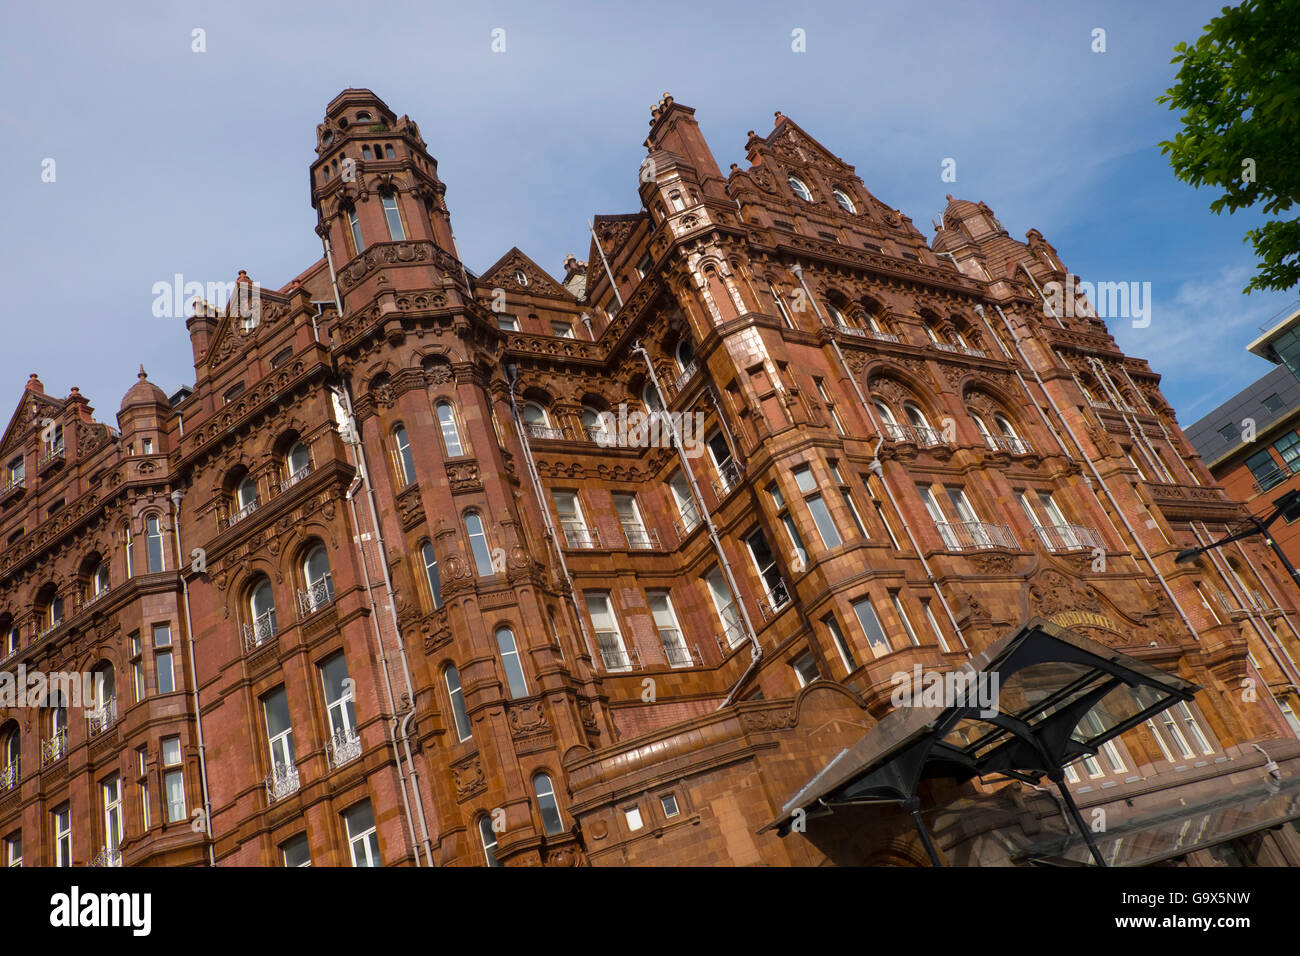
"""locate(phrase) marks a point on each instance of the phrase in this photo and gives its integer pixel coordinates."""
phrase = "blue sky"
(173, 161)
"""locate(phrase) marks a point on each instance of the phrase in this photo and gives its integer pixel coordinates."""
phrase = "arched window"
(478, 544)
(403, 460)
(845, 202)
(651, 398)
(915, 415)
(489, 839)
(874, 322)
(395, 230)
(261, 607)
(104, 709)
(450, 433)
(552, 822)
(801, 189)
(836, 315)
(431, 573)
(536, 420)
(685, 354)
(320, 584)
(297, 464)
(1004, 425)
(154, 545)
(461, 717)
(99, 579)
(510, 661)
(11, 773)
(886, 413)
(246, 496)
(358, 245)
(984, 431)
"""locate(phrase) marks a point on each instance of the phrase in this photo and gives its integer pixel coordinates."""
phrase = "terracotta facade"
(903, 457)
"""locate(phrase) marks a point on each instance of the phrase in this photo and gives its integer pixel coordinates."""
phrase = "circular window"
(843, 199)
(520, 277)
(801, 189)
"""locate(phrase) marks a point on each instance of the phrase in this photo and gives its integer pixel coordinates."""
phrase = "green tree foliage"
(1238, 87)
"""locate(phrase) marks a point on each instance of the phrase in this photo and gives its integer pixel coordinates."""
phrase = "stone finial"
(34, 384)
(143, 374)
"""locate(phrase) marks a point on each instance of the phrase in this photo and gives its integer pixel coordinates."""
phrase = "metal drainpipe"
(1100, 481)
(756, 649)
(1231, 580)
(798, 274)
(390, 720)
(359, 456)
(878, 470)
(536, 481)
(177, 495)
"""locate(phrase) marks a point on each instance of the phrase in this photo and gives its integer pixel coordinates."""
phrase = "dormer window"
(801, 189)
(845, 202)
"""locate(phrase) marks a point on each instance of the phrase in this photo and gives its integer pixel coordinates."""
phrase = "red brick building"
(398, 580)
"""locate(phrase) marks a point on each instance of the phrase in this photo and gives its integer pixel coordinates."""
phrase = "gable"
(505, 272)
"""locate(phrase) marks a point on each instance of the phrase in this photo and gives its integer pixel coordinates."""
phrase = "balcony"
(52, 457)
(975, 536)
(612, 653)
(676, 651)
(960, 350)
(107, 856)
(729, 475)
(55, 748)
(13, 489)
(639, 539)
(87, 600)
(102, 717)
(778, 596)
(318, 594)
(1096, 403)
(342, 746)
(260, 631)
(10, 776)
(927, 437)
(896, 432)
(687, 374)
(545, 432)
(281, 782)
(578, 535)
(601, 436)
(241, 514)
(687, 521)
(1068, 537)
(296, 477)
(867, 333)
(1009, 444)
(732, 635)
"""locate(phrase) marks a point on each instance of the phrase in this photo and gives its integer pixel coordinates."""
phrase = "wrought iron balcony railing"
(13, 486)
(10, 776)
(676, 650)
(729, 475)
(1008, 443)
(281, 782)
(55, 747)
(102, 717)
(578, 535)
(1068, 537)
(318, 594)
(975, 535)
(545, 432)
(241, 514)
(641, 539)
(107, 856)
(688, 373)
(296, 477)
(687, 522)
(732, 634)
(896, 432)
(778, 596)
(260, 630)
(51, 456)
(614, 656)
(343, 745)
(928, 437)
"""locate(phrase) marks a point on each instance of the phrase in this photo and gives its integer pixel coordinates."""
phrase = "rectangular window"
(830, 405)
(1266, 470)
(162, 659)
(63, 836)
(458, 711)
(728, 473)
(669, 803)
(897, 602)
(173, 779)
(670, 634)
(142, 778)
(608, 636)
(934, 626)
(154, 545)
(507, 323)
(572, 523)
(821, 516)
(686, 508)
(111, 795)
(633, 817)
(563, 329)
(514, 668)
(339, 704)
(395, 230)
(805, 669)
(728, 615)
(871, 627)
(14, 849)
(1194, 731)
(629, 516)
(768, 573)
(137, 676)
(279, 730)
(355, 224)
(841, 645)
(295, 851)
(363, 837)
(1288, 446)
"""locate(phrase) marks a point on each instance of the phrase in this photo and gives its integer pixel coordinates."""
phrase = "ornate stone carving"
(467, 775)
(463, 476)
